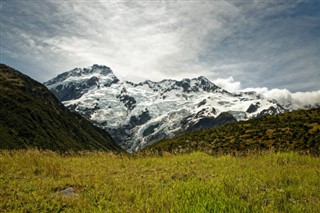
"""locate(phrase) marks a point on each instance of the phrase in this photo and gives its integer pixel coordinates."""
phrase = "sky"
(267, 45)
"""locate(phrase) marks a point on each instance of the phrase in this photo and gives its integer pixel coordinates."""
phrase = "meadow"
(45, 181)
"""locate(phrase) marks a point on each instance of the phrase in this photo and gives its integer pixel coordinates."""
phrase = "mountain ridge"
(32, 117)
(140, 114)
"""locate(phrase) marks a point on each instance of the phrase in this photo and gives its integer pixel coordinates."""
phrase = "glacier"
(139, 114)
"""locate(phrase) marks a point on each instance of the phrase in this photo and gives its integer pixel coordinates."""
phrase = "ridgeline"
(293, 131)
(32, 117)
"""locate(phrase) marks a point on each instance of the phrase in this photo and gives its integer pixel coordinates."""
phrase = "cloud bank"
(298, 99)
(294, 100)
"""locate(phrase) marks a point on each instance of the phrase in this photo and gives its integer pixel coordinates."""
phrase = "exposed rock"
(141, 119)
(150, 129)
(69, 192)
(202, 103)
(208, 122)
(253, 108)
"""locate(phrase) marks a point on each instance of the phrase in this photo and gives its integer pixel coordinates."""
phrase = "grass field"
(36, 181)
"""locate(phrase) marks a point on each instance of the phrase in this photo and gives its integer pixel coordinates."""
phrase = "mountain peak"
(74, 83)
(99, 68)
(80, 73)
(202, 78)
(94, 69)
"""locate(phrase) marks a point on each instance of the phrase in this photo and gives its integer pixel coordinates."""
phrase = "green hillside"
(30, 116)
(294, 131)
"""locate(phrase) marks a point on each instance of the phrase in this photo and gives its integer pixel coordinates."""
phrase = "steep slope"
(294, 131)
(31, 116)
(137, 115)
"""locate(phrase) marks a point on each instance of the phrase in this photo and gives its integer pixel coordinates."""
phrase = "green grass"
(103, 182)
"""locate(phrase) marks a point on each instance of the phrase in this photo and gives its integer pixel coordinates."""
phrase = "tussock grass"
(104, 182)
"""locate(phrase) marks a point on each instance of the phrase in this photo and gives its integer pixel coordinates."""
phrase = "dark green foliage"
(295, 131)
(31, 116)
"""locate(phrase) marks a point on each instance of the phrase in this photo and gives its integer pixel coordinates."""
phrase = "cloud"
(284, 97)
(296, 100)
(228, 84)
(271, 44)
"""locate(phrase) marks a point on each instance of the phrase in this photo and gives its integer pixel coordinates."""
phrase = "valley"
(160, 106)
(217, 159)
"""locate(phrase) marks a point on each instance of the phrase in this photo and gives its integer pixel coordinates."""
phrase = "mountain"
(32, 117)
(291, 131)
(139, 114)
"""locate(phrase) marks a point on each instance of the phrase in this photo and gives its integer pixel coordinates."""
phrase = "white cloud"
(255, 42)
(228, 84)
(284, 97)
(138, 40)
(307, 97)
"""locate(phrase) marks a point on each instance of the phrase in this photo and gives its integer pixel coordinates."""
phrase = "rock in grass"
(69, 192)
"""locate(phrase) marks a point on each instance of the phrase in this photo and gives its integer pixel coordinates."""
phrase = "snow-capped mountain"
(137, 115)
